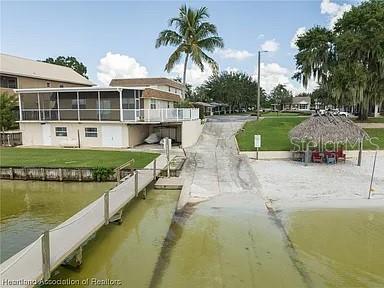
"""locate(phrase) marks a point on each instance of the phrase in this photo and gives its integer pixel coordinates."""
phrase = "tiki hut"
(328, 129)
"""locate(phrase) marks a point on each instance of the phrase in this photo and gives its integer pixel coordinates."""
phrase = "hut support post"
(373, 173)
(360, 153)
(306, 158)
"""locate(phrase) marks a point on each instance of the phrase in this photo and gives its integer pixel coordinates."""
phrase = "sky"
(117, 38)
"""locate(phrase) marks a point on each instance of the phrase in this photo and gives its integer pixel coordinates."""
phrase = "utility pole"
(258, 82)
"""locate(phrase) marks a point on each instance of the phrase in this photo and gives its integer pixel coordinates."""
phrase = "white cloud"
(194, 75)
(270, 45)
(232, 69)
(298, 32)
(234, 54)
(119, 66)
(272, 74)
(333, 10)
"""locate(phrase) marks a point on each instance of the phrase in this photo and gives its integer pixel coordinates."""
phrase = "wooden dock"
(63, 244)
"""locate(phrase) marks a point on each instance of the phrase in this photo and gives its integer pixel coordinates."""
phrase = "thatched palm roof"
(328, 128)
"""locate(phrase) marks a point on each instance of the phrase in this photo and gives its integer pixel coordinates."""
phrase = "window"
(61, 86)
(128, 99)
(90, 132)
(82, 104)
(61, 131)
(74, 103)
(68, 105)
(303, 106)
(89, 105)
(153, 104)
(48, 84)
(8, 82)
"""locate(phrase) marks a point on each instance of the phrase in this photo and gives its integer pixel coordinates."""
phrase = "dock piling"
(46, 255)
(154, 169)
(106, 208)
(136, 183)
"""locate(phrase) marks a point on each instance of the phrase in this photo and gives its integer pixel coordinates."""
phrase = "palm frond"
(206, 29)
(211, 43)
(211, 62)
(201, 14)
(196, 57)
(174, 59)
(168, 37)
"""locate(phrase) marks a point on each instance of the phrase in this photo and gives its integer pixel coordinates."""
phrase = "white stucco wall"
(35, 134)
(31, 133)
(190, 132)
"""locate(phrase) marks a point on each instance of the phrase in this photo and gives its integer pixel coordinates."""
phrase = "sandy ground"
(215, 169)
(291, 184)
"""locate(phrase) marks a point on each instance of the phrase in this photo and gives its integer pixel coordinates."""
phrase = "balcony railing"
(128, 115)
(160, 115)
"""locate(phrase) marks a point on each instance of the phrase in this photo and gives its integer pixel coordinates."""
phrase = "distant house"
(299, 104)
(22, 73)
(205, 108)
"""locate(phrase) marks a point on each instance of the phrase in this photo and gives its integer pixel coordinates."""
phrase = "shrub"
(102, 173)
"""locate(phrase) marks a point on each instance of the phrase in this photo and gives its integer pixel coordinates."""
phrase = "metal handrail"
(121, 167)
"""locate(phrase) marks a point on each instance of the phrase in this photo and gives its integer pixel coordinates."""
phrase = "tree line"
(347, 61)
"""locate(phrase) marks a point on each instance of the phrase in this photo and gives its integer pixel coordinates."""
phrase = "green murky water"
(226, 244)
(28, 208)
(340, 247)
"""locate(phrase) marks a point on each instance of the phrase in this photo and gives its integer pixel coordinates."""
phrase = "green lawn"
(274, 135)
(377, 139)
(372, 120)
(71, 158)
(273, 131)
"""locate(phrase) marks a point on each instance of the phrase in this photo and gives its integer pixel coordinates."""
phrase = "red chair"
(317, 157)
(340, 155)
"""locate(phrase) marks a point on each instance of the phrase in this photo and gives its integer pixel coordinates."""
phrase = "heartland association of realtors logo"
(67, 281)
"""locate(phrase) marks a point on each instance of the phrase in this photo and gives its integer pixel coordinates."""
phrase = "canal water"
(28, 208)
(221, 243)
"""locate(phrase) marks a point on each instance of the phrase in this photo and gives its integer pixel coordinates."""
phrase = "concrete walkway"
(214, 166)
(371, 125)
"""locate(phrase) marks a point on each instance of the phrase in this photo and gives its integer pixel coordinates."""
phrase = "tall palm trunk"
(185, 74)
(185, 68)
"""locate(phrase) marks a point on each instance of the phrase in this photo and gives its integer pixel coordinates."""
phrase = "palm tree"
(193, 36)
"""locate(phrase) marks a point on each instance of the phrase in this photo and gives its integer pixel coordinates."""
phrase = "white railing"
(35, 262)
(127, 115)
(160, 115)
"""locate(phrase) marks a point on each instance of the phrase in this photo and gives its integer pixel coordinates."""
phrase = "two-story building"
(21, 73)
(118, 116)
